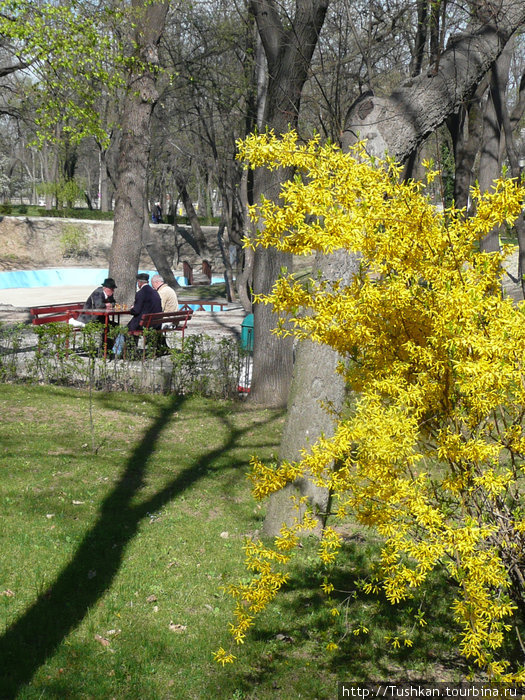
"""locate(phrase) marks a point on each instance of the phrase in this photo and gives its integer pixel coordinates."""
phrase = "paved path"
(38, 296)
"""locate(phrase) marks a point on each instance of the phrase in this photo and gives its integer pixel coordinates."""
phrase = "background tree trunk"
(288, 51)
(134, 149)
(156, 253)
(492, 139)
(465, 129)
(200, 243)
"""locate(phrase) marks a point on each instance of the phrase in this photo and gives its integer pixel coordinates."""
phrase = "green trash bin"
(247, 333)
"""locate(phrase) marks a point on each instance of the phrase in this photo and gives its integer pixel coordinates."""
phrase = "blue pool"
(23, 279)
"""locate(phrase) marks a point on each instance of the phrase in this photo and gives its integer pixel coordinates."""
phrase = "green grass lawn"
(113, 559)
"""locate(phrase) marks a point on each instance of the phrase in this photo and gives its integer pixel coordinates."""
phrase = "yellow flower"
(223, 657)
(431, 453)
(327, 587)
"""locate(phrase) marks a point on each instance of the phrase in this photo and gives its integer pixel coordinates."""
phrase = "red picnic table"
(113, 315)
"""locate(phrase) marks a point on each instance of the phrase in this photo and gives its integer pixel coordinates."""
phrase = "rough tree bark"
(397, 125)
(510, 122)
(288, 48)
(148, 21)
(201, 245)
(493, 136)
(156, 253)
(314, 381)
(465, 128)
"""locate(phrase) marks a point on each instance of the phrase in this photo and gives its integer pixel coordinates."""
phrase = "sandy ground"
(38, 296)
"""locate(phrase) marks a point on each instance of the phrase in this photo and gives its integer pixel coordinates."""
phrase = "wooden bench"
(57, 313)
(53, 313)
(167, 322)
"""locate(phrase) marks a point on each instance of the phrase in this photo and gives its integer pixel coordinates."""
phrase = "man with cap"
(100, 298)
(147, 301)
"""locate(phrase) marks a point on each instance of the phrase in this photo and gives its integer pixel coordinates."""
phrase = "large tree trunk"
(314, 381)
(272, 355)
(288, 53)
(511, 122)
(492, 140)
(397, 125)
(134, 149)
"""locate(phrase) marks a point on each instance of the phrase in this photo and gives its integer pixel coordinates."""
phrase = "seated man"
(169, 301)
(168, 296)
(100, 298)
(147, 301)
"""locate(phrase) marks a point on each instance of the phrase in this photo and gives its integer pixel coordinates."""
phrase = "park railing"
(57, 353)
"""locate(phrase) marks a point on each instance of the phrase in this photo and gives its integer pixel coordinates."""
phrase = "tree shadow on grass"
(35, 636)
(301, 625)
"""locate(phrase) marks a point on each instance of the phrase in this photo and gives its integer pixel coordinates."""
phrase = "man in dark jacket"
(100, 298)
(147, 301)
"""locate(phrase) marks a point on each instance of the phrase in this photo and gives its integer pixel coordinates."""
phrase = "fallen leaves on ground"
(176, 627)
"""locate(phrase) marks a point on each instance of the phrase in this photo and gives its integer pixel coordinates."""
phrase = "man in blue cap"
(147, 301)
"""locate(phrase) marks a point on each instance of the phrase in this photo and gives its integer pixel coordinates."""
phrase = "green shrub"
(61, 354)
(78, 213)
(208, 367)
(74, 242)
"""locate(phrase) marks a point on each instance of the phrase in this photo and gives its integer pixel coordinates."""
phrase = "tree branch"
(399, 123)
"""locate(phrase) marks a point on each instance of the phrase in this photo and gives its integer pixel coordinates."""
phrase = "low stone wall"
(38, 242)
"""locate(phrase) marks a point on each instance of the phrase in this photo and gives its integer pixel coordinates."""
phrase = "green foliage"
(65, 192)
(207, 367)
(84, 213)
(74, 241)
(10, 343)
(71, 47)
(57, 353)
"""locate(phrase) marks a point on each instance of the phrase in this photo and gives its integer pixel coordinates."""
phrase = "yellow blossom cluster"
(431, 454)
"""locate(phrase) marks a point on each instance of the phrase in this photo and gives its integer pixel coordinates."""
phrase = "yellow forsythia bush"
(432, 455)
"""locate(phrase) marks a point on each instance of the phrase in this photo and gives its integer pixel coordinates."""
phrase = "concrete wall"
(38, 242)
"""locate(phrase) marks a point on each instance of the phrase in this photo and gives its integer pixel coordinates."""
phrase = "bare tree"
(140, 99)
(289, 43)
